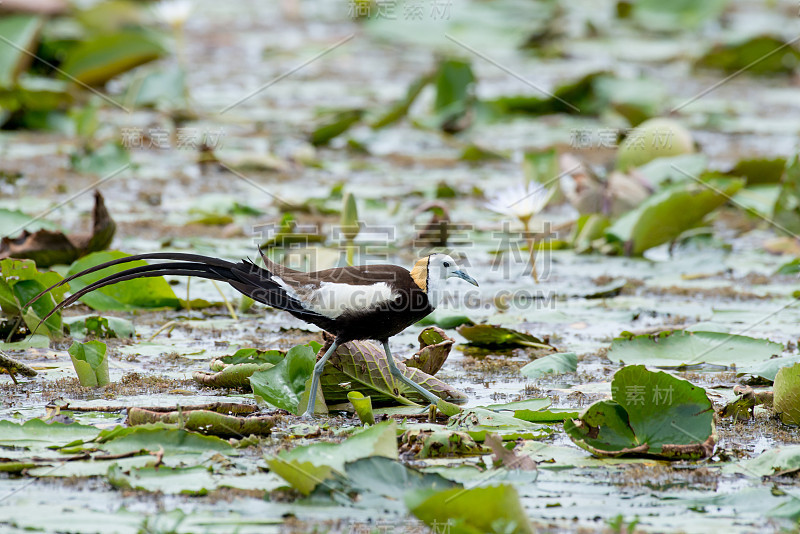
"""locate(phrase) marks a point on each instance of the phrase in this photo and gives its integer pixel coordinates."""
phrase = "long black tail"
(245, 276)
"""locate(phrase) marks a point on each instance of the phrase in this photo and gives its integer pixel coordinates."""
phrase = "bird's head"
(442, 267)
(431, 272)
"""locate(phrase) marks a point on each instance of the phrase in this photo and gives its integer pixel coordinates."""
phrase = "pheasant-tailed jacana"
(352, 303)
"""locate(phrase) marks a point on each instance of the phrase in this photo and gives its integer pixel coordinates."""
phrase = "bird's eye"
(446, 264)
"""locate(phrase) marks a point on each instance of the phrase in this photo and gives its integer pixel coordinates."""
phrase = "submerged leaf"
(195, 481)
(558, 363)
(650, 414)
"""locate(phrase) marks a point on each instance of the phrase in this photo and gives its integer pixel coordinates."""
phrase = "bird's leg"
(318, 368)
(430, 397)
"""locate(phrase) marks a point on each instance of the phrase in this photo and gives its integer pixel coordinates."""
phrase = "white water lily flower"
(522, 201)
(173, 12)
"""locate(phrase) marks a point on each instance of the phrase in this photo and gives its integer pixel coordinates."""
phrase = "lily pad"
(388, 477)
(681, 348)
(670, 212)
(760, 55)
(535, 411)
(157, 436)
(195, 481)
(477, 422)
(777, 461)
(558, 363)
(38, 434)
(400, 109)
(306, 467)
(676, 15)
(20, 282)
(21, 31)
(787, 394)
(760, 171)
(787, 208)
(454, 84)
(650, 414)
(490, 509)
(81, 326)
(439, 443)
(100, 58)
(284, 384)
(335, 126)
(488, 335)
(768, 369)
(248, 355)
(362, 366)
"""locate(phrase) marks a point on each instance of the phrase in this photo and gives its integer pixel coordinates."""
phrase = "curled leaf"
(91, 363)
(434, 347)
(206, 422)
(488, 335)
(231, 376)
(363, 407)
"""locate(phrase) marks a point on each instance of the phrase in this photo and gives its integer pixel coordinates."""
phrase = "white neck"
(436, 289)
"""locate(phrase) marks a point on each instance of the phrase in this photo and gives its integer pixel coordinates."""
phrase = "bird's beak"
(465, 276)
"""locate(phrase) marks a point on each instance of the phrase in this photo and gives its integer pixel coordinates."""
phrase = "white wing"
(332, 300)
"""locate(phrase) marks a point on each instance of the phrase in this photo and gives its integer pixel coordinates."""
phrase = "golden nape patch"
(420, 274)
